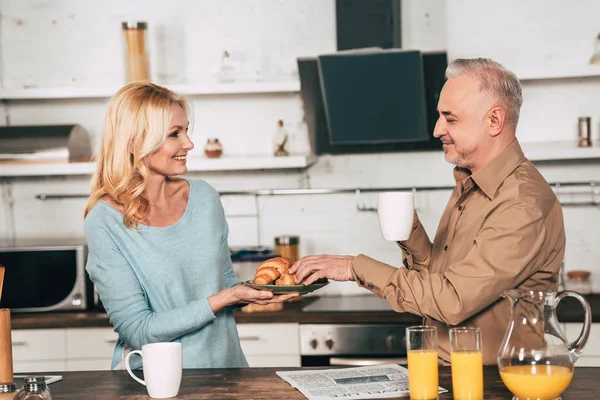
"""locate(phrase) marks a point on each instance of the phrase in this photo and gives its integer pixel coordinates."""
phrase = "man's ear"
(496, 119)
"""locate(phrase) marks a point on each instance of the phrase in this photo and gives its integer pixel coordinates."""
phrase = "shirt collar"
(492, 174)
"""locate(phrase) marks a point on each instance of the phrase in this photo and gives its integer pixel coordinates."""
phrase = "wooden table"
(263, 384)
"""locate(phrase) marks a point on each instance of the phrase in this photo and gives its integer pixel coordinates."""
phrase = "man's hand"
(311, 268)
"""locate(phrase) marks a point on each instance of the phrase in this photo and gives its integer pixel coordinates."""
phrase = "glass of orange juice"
(467, 363)
(421, 345)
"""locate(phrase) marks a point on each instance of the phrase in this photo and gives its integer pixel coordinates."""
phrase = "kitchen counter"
(568, 311)
(262, 383)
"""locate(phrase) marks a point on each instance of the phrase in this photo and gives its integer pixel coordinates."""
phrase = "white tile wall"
(187, 38)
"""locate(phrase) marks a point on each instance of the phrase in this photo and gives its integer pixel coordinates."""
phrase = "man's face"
(461, 124)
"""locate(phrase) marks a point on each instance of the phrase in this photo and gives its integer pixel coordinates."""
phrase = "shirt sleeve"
(507, 249)
(416, 250)
(126, 303)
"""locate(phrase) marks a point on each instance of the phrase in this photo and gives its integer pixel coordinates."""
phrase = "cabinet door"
(20, 367)
(269, 339)
(89, 365)
(91, 343)
(38, 344)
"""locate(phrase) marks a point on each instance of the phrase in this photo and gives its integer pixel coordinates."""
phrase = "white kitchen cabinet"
(39, 350)
(72, 349)
(90, 349)
(270, 345)
(591, 352)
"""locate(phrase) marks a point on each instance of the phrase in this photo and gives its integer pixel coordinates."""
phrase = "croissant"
(281, 264)
(264, 276)
(286, 279)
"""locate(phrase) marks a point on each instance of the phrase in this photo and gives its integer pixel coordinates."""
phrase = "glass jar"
(34, 388)
(281, 141)
(579, 281)
(213, 148)
(288, 246)
(138, 68)
(596, 56)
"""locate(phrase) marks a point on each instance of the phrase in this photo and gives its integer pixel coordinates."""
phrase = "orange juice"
(467, 375)
(423, 374)
(536, 381)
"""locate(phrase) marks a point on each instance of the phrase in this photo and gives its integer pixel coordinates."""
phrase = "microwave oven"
(42, 277)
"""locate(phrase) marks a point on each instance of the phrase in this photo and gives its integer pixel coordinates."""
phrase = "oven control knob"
(329, 344)
(313, 343)
(390, 342)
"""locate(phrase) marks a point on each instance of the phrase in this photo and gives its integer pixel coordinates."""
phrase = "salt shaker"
(34, 388)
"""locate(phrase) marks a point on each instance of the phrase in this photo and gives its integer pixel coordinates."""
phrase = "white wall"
(187, 38)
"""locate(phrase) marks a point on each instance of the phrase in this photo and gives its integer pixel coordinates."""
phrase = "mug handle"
(576, 346)
(129, 368)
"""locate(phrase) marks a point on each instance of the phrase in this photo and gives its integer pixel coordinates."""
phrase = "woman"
(158, 251)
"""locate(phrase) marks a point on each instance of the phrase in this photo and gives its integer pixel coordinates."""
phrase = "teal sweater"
(155, 283)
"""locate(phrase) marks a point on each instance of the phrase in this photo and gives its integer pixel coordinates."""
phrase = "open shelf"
(560, 72)
(188, 90)
(195, 164)
(556, 151)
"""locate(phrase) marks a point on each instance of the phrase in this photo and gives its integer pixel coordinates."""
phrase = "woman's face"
(170, 159)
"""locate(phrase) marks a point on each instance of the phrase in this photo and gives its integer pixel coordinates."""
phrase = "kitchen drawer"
(592, 348)
(269, 339)
(273, 361)
(89, 365)
(21, 367)
(91, 343)
(38, 344)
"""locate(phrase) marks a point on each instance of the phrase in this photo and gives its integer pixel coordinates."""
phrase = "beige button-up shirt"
(502, 229)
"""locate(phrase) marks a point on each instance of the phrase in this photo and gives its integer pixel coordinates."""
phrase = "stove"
(353, 343)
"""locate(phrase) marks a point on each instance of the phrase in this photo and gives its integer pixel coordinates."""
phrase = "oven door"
(352, 344)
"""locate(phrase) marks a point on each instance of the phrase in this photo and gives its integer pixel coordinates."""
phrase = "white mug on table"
(162, 366)
(396, 215)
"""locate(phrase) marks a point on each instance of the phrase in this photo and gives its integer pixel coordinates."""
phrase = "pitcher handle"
(576, 346)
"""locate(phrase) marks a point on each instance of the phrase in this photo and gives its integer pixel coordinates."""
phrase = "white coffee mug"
(396, 215)
(162, 366)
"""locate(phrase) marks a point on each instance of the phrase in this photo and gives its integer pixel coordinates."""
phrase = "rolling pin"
(6, 360)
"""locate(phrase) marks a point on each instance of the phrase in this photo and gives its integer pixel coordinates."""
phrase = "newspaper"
(372, 382)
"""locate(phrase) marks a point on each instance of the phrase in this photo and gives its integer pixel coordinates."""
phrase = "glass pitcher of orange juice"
(535, 359)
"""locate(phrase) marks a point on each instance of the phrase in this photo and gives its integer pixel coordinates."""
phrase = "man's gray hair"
(495, 79)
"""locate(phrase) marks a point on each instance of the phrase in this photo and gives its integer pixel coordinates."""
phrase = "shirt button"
(460, 208)
(445, 247)
(370, 286)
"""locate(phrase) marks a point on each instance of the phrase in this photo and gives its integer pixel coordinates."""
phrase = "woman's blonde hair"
(136, 125)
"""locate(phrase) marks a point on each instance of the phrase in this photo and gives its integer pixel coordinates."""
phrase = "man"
(502, 228)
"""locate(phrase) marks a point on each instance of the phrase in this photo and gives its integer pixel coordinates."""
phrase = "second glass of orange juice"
(467, 363)
(421, 343)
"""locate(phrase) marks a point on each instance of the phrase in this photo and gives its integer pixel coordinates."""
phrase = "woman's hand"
(311, 268)
(244, 294)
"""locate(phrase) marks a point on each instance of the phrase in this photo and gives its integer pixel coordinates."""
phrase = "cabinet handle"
(110, 340)
(19, 343)
(249, 337)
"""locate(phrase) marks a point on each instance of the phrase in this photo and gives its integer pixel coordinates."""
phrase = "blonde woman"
(158, 251)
